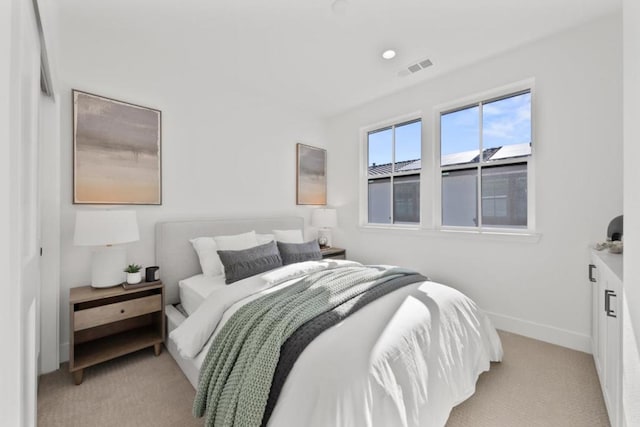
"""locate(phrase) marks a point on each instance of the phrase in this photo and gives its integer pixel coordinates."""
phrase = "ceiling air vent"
(414, 68)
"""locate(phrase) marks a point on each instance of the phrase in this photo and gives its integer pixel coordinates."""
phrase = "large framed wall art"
(117, 156)
(311, 175)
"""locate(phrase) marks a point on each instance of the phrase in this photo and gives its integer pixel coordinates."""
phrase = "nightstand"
(333, 253)
(111, 322)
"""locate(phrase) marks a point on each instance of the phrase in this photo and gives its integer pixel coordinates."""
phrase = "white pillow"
(265, 238)
(237, 242)
(206, 248)
(288, 236)
(195, 289)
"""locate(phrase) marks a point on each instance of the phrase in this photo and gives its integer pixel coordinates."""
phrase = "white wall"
(631, 311)
(537, 289)
(226, 151)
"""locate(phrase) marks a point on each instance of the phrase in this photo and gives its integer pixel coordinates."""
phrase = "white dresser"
(605, 275)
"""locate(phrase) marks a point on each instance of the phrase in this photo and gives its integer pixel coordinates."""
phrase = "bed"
(405, 359)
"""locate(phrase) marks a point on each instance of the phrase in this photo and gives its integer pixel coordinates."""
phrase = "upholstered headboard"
(175, 255)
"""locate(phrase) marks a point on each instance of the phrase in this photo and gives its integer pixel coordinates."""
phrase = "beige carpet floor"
(537, 384)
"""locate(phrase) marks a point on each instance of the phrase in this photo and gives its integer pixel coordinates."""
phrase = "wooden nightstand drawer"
(110, 313)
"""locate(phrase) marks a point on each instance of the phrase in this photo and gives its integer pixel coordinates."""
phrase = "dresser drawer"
(109, 313)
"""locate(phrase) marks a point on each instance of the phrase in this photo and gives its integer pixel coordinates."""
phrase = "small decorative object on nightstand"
(152, 273)
(109, 323)
(333, 253)
(324, 219)
(134, 275)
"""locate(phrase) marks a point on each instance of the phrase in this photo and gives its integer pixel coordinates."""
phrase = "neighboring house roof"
(385, 169)
(459, 158)
(411, 165)
(495, 153)
(515, 150)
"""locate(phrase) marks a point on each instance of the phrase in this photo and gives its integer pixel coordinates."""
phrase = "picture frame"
(311, 175)
(117, 151)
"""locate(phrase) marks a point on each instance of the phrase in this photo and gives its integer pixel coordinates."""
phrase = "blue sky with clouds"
(505, 122)
(407, 144)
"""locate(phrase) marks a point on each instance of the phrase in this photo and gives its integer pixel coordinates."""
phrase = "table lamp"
(105, 229)
(324, 219)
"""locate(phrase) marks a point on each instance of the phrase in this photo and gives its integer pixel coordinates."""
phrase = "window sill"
(417, 231)
(391, 227)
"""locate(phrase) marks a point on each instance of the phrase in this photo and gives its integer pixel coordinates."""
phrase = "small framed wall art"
(117, 157)
(311, 175)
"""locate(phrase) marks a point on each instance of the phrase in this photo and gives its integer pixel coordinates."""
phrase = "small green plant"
(133, 268)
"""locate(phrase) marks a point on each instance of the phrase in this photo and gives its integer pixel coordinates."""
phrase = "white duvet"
(403, 360)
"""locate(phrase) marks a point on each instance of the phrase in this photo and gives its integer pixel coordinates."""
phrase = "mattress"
(194, 290)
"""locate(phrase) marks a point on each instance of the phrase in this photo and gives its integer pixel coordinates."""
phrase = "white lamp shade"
(324, 218)
(101, 228)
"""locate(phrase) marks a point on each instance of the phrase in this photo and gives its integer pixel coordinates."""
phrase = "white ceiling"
(301, 53)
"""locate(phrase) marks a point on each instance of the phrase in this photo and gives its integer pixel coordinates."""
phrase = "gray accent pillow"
(249, 262)
(299, 252)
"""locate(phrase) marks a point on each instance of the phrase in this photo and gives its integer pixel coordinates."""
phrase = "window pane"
(380, 145)
(504, 195)
(506, 127)
(460, 136)
(460, 198)
(380, 201)
(408, 146)
(406, 199)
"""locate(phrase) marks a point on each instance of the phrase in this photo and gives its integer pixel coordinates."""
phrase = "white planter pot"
(133, 278)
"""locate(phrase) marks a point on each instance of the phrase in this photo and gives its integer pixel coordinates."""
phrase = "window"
(393, 173)
(484, 160)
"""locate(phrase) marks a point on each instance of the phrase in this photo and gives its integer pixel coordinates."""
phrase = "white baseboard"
(546, 333)
(64, 352)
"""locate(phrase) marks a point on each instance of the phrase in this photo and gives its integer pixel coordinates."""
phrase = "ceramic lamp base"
(107, 267)
(324, 237)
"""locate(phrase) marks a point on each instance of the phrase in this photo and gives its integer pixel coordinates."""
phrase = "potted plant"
(133, 274)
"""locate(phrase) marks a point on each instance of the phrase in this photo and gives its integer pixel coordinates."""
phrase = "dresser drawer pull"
(122, 311)
(607, 303)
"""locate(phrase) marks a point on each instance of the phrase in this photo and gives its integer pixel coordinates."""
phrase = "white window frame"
(431, 176)
(486, 97)
(364, 173)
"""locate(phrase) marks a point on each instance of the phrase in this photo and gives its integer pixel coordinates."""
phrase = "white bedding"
(194, 290)
(404, 360)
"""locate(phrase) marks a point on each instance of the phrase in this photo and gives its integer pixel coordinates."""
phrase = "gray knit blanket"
(236, 376)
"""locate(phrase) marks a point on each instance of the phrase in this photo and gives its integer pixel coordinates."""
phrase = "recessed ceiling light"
(389, 54)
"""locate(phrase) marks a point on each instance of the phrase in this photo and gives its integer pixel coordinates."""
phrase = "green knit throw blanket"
(236, 375)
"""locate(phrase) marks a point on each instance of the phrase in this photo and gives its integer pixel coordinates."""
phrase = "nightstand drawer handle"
(122, 311)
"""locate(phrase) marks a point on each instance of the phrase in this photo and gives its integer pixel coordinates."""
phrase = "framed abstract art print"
(117, 156)
(311, 175)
